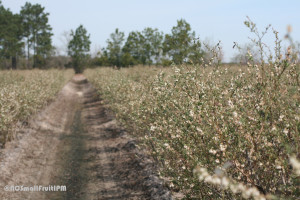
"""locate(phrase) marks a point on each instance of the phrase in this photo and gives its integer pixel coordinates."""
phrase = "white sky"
(214, 20)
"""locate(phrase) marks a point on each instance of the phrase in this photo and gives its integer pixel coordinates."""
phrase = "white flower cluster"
(296, 165)
(226, 183)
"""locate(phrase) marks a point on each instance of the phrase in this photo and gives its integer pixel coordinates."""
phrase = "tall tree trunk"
(14, 62)
(6, 62)
(34, 57)
(28, 54)
(34, 52)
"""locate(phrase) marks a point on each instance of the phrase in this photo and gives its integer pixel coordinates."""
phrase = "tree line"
(146, 47)
(150, 46)
(26, 34)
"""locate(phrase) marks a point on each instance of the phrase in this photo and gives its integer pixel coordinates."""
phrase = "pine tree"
(37, 32)
(152, 45)
(134, 47)
(78, 48)
(10, 36)
(178, 44)
(114, 47)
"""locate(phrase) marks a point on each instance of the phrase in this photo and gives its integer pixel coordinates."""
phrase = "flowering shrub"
(24, 92)
(209, 116)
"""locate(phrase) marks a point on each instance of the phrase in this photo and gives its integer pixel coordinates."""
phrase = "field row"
(22, 93)
(241, 122)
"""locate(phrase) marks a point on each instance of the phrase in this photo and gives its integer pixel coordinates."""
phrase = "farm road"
(75, 141)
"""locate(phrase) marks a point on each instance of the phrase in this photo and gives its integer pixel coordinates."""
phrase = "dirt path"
(75, 141)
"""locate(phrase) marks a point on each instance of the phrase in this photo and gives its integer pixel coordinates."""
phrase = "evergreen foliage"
(150, 47)
(10, 36)
(37, 32)
(79, 48)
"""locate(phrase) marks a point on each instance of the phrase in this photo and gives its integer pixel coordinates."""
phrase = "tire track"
(77, 142)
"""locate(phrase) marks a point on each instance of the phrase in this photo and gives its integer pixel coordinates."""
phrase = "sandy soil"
(75, 141)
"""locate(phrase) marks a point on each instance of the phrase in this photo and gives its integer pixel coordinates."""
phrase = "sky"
(212, 20)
